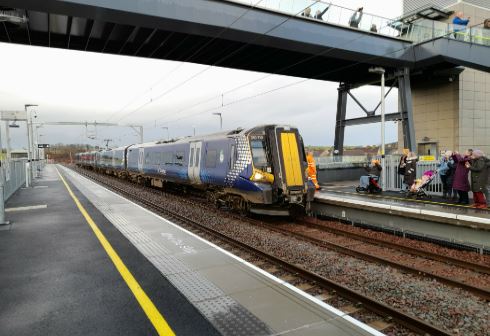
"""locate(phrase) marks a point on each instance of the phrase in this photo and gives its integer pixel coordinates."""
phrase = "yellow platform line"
(145, 302)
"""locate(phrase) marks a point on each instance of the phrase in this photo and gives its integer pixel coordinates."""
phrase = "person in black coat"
(410, 169)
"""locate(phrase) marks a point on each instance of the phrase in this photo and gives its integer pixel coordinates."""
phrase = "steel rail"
(410, 322)
(415, 251)
(481, 292)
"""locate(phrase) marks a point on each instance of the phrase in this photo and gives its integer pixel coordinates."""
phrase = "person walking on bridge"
(355, 19)
(486, 32)
(460, 25)
(312, 170)
(319, 14)
(307, 12)
(460, 182)
(479, 178)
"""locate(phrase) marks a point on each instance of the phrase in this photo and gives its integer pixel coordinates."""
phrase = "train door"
(194, 167)
(289, 152)
(141, 159)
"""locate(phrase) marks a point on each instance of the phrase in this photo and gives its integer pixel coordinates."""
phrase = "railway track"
(321, 225)
(352, 248)
(310, 281)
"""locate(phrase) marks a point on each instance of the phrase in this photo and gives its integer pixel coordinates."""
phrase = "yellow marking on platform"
(404, 199)
(145, 302)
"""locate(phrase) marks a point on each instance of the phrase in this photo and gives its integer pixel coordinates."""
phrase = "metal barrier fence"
(394, 181)
(14, 175)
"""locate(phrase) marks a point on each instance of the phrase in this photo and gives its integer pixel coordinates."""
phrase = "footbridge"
(267, 36)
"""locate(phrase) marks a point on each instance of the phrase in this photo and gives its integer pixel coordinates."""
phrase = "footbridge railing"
(420, 31)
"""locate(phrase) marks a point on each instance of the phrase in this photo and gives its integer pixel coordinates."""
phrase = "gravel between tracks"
(452, 309)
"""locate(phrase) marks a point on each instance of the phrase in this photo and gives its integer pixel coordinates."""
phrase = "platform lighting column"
(29, 143)
(381, 71)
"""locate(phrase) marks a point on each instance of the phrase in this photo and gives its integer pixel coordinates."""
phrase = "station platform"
(434, 217)
(90, 262)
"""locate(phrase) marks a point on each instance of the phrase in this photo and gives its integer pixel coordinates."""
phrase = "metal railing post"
(27, 170)
(2, 198)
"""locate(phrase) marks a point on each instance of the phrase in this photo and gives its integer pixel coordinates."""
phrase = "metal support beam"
(49, 29)
(88, 32)
(368, 113)
(68, 31)
(343, 90)
(130, 37)
(27, 27)
(375, 119)
(139, 130)
(405, 101)
(147, 40)
(108, 30)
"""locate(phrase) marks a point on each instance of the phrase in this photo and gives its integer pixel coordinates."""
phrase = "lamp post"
(381, 71)
(29, 140)
(220, 120)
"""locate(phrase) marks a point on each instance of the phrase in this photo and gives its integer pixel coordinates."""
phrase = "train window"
(147, 158)
(259, 156)
(191, 158)
(179, 158)
(198, 156)
(211, 156)
(168, 158)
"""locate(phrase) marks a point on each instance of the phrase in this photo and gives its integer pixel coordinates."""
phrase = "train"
(260, 170)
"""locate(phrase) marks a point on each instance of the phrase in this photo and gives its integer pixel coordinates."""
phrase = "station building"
(452, 111)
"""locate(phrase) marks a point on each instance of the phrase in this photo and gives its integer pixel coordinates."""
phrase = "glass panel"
(198, 156)
(259, 156)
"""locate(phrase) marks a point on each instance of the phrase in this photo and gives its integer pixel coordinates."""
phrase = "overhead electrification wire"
(182, 62)
(223, 58)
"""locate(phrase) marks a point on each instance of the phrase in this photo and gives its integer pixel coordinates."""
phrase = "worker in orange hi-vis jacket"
(312, 170)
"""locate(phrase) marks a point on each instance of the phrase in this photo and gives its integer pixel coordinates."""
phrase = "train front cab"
(278, 159)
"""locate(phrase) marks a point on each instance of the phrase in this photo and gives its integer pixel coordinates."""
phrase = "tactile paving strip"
(228, 316)
(231, 318)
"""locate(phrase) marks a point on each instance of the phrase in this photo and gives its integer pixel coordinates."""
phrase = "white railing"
(394, 181)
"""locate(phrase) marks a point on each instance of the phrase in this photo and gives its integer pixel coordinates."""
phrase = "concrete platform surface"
(235, 296)
(56, 279)
(426, 217)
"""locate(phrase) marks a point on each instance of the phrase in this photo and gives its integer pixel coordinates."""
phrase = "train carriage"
(261, 170)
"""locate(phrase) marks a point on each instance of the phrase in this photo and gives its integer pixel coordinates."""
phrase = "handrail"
(418, 32)
(335, 14)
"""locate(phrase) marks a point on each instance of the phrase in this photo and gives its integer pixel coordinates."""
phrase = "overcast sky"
(79, 86)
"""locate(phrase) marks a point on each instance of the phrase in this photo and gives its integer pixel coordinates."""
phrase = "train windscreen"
(259, 154)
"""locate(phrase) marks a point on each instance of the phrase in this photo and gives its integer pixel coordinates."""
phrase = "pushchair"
(369, 183)
(419, 188)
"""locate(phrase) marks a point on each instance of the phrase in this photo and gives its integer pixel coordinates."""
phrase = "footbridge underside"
(217, 33)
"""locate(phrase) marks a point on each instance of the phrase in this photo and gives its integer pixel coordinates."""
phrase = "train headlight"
(261, 176)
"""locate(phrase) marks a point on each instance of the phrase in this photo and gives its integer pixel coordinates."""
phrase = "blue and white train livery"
(261, 170)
